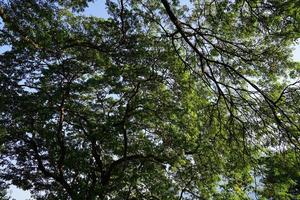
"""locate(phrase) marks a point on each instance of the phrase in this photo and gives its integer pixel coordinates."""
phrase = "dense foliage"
(162, 100)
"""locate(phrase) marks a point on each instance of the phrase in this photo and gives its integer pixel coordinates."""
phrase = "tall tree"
(159, 101)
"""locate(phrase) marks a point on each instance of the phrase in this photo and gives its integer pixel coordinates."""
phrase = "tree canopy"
(162, 100)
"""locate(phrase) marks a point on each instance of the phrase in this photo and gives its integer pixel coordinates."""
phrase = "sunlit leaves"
(135, 107)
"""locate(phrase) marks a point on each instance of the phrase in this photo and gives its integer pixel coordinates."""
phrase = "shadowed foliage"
(162, 100)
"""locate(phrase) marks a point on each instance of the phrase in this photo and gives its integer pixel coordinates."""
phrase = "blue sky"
(98, 9)
(296, 52)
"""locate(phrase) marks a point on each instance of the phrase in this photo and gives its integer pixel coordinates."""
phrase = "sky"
(97, 8)
(296, 52)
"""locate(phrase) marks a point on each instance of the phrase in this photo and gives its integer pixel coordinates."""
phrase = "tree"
(282, 177)
(3, 191)
(3, 195)
(160, 101)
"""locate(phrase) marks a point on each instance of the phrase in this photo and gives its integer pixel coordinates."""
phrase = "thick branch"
(60, 179)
